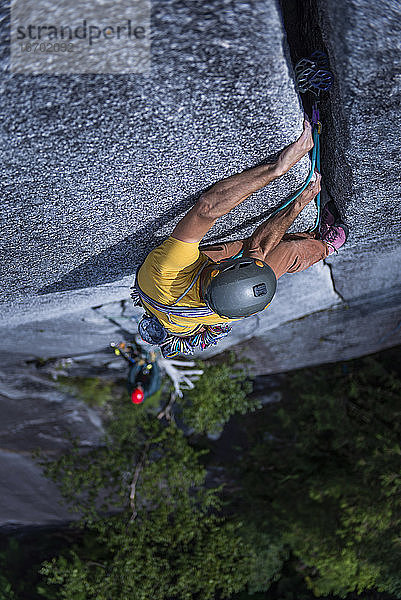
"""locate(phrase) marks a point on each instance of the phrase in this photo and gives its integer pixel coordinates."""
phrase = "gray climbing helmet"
(238, 287)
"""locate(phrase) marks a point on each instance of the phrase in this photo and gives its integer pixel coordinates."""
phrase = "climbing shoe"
(330, 216)
(335, 236)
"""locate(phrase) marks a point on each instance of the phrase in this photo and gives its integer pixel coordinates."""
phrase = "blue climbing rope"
(315, 163)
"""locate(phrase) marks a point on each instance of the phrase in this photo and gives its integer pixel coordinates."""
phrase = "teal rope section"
(318, 168)
(315, 163)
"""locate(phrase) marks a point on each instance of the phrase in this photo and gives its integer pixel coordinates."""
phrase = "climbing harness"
(312, 75)
(171, 345)
(143, 372)
(152, 331)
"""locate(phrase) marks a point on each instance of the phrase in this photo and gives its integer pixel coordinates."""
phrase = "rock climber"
(191, 293)
(144, 378)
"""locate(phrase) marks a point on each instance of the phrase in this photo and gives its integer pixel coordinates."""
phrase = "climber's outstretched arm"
(222, 197)
(269, 234)
(219, 200)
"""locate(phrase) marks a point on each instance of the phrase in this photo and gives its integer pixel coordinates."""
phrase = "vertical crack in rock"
(304, 35)
(300, 20)
(340, 296)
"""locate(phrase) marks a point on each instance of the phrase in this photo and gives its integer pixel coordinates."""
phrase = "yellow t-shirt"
(166, 273)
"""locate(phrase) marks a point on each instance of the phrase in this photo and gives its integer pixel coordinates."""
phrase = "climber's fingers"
(306, 138)
(314, 186)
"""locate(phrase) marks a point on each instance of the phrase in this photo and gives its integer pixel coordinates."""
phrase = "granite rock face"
(362, 141)
(97, 169)
(36, 412)
(27, 497)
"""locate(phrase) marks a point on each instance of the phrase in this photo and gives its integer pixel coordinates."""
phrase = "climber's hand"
(311, 191)
(293, 153)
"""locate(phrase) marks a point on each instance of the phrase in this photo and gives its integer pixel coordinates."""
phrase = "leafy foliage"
(20, 557)
(168, 537)
(222, 391)
(95, 391)
(267, 558)
(326, 476)
(6, 589)
(314, 496)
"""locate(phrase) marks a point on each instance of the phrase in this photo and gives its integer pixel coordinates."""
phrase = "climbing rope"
(315, 163)
(312, 75)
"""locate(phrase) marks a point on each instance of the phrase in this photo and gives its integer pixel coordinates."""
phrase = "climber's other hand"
(311, 191)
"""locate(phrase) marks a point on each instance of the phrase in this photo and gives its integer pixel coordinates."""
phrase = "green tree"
(324, 475)
(151, 527)
(222, 391)
(92, 390)
(6, 591)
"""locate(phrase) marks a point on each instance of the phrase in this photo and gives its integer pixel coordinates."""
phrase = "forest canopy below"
(297, 499)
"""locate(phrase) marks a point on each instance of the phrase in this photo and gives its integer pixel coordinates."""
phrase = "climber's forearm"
(269, 234)
(226, 194)
(220, 199)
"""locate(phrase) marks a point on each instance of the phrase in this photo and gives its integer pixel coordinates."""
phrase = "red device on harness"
(137, 395)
